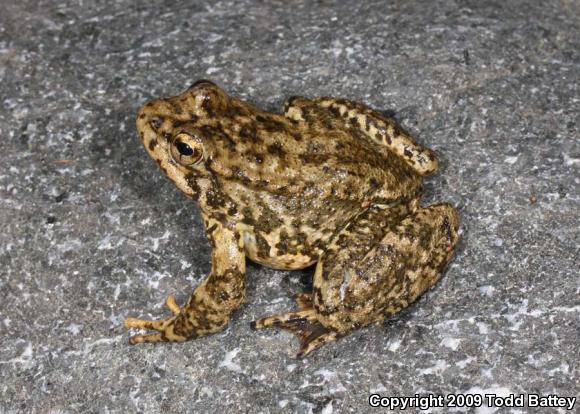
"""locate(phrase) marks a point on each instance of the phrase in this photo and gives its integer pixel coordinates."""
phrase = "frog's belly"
(279, 251)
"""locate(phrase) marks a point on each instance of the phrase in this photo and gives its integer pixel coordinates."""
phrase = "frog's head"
(176, 133)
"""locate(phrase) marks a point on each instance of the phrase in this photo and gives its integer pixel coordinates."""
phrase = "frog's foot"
(302, 323)
(165, 327)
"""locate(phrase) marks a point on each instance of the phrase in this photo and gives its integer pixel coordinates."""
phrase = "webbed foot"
(302, 323)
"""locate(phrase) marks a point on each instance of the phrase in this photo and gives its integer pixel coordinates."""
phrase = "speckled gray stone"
(92, 232)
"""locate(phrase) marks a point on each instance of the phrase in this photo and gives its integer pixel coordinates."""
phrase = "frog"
(328, 182)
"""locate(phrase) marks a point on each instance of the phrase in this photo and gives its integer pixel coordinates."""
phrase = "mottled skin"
(329, 182)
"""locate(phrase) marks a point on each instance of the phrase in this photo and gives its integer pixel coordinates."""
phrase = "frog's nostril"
(156, 123)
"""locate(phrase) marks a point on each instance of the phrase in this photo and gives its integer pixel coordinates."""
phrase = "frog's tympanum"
(330, 182)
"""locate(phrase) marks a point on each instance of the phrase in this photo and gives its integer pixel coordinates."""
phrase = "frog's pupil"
(183, 148)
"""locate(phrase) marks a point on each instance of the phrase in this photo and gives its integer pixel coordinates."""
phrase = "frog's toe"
(172, 304)
(285, 320)
(141, 339)
(146, 324)
(305, 312)
(136, 323)
(307, 346)
(165, 327)
(166, 330)
(303, 323)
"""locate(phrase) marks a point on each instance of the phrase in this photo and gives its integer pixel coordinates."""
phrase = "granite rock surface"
(92, 232)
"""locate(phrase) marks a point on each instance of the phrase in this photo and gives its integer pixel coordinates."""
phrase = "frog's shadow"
(146, 191)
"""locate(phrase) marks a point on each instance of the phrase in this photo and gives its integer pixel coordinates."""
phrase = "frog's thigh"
(392, 273)
(382, 130)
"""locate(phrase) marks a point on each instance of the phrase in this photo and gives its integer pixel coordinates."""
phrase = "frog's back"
(317, 158)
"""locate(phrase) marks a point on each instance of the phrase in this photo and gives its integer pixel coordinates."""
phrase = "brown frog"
(330, 182)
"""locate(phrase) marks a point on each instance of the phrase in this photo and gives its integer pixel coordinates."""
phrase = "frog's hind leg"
(365, 274)
(378, 264)
(302, 323)
(382, 130)
(369, 226)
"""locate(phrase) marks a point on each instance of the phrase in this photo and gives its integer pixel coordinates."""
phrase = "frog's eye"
(186, 149)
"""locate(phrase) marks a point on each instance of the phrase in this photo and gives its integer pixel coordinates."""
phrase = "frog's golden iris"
(186, 149)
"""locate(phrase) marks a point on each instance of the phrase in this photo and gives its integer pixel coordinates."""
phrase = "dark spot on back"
(218, 134)
(271, 125)
(254, 157)
(276, 148)
(248, 134)
(176, 108)
(206, 106)
(240, 175)
(335, 111)
(248, 216)
(296, 135)
(177, 123)
(152, 144)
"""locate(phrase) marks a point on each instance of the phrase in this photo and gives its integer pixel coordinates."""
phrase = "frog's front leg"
(209, 308)
(378, 264)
